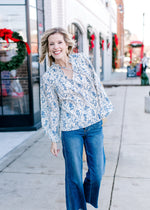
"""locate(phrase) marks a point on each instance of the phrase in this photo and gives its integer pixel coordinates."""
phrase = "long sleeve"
(104, 102)
(50, 110)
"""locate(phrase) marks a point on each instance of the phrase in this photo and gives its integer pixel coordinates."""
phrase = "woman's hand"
(54, 149)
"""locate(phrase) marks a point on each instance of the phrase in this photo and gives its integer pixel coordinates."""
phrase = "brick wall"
(120, 32)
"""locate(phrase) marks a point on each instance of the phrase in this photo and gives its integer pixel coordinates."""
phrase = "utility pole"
(143, 26)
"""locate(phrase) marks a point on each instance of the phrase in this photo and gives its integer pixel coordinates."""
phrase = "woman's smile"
(57, 52)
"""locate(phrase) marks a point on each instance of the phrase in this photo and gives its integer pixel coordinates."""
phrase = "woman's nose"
(55, 46)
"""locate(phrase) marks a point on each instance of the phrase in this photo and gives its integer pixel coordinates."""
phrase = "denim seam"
(88, 170)
(66, 170)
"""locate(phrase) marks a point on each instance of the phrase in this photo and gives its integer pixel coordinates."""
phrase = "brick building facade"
(120, 32)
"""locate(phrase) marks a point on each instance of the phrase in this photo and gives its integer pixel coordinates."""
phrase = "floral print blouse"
(70, 104)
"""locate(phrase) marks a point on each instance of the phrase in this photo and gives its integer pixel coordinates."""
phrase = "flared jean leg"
(72, 142)
(96, 163)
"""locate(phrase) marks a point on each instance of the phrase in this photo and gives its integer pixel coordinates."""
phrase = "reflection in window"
(33, 24)
(40, 32)
(36, 97)
(7, 51)
(40, 4)
(34, 43)
(15, 96)
(35, 65)
(14, 18)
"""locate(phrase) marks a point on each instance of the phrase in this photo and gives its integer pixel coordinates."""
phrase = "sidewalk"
(32, 179)
(119, 78)
(10, 140)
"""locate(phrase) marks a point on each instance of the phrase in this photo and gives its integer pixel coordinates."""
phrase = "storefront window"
(101, 64)
(40, 33)
(34, 41)
(0, 108)
(14, 84)
(40, 4)
(15, 96)
(77, 36)
(35, 26)
(101, 47)
(12, 1)
(19, 88)
(36, 99)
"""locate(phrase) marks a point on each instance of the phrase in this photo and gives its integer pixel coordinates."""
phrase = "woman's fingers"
(54, 149)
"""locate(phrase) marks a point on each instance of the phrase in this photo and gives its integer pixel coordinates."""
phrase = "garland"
(114, 51)
(91, 37)
(17, 60)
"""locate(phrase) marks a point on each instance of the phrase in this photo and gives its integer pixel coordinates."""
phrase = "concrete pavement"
(10, 140)
(119, 78)
(32, 179)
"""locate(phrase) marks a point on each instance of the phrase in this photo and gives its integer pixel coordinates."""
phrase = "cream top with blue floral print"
(70, 104)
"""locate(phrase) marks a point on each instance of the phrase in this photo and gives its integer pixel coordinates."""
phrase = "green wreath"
(114, 51)
(91, 37)
(17, 60)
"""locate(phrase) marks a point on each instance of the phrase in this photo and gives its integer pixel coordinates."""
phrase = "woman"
(73, 104)
(144, 63)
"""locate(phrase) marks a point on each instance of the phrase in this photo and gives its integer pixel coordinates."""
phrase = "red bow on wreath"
(92, 41)
(7, 34)
(116, 39)
(92, 38)
(102, 44)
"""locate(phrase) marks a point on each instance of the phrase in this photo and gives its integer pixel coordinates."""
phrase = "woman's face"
(57, 46)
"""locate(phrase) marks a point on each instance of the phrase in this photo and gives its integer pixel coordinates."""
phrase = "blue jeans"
(77, 191)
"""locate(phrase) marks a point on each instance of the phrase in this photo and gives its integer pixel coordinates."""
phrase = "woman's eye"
(59, 42)
(51, 44)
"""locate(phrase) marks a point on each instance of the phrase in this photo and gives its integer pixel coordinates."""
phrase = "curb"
(120, 85)
(14, 154)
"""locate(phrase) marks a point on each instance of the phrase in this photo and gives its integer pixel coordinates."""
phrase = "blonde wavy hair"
(44, 43)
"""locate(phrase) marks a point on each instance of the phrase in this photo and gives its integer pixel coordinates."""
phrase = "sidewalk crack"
(120, 144)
